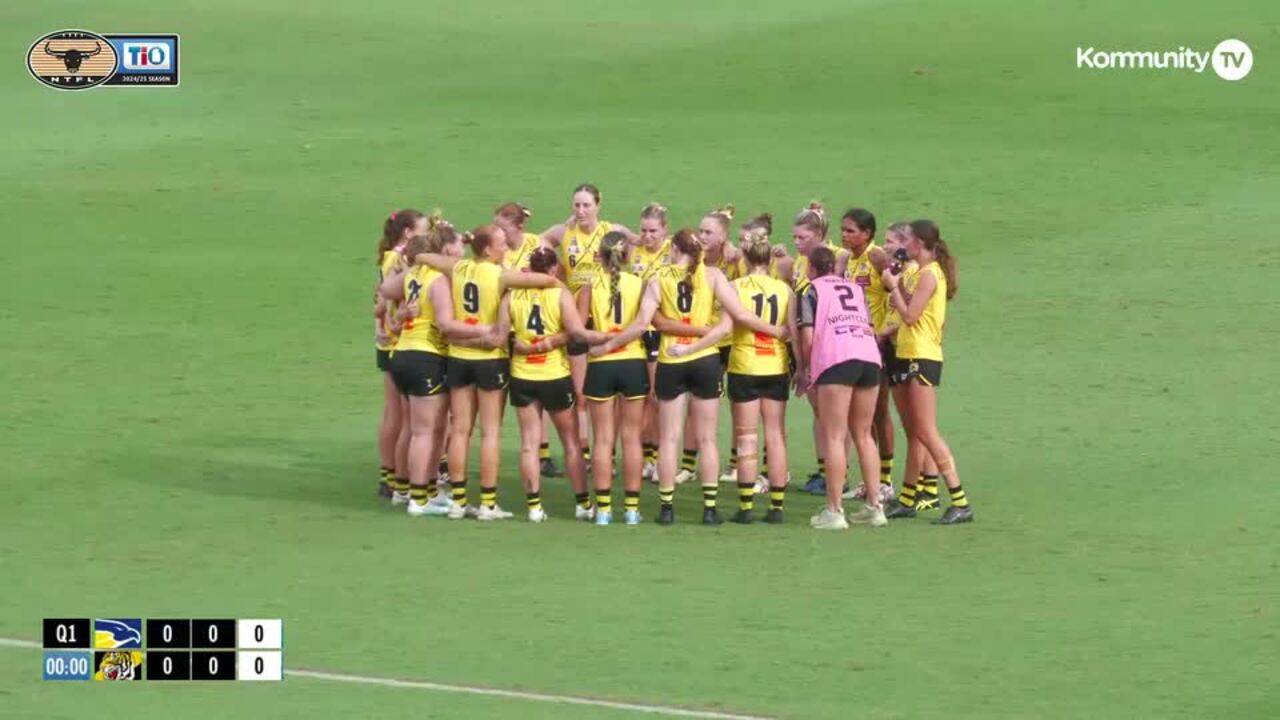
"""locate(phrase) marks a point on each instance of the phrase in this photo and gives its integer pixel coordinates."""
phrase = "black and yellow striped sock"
(432, 489)
(489, 497)
(400, 485)
(387, 475)
(908, 495)
(544, 452)
(689, 461)
(533, 500)
(958, 498)
(776, 496)
(822, 467)
(733, 458)
(666, 497)
(886, 470)
(418, 494)
(650, 453)
(709, 493)
(929, 485)
(586, 454)
(583, 499)
(746, 495)
(631, 501)
(458, 487)
(604, 500)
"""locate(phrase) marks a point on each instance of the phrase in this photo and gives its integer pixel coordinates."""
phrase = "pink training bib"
(841, 327)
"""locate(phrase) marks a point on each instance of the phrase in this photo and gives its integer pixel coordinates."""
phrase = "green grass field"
(189, 403)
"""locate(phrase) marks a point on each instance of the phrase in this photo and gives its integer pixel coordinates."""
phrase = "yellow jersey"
(421, 333)
(863, 273)
(518, 259)
(535, 314)
(477, 294)
(800, 277)
(757, 353)
(891, 316)
(743, 270)
(923, 341)
(389, 259)
(611, 318)
(689, 302)
(578, 254)
(732, 271)
(645, 262)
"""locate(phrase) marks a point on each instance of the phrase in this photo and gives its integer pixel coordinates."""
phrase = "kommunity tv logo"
(1230, 59)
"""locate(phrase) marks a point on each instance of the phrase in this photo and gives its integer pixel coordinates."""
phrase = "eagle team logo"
(115, 633)
(79, 59)
(72, 60)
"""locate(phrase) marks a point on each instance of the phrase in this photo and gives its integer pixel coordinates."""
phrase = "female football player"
(542, 321)
(920, 300)
(425, 318)
(866, 262)
(840, 364)
(396, 231)
(650, 252)
(759, 379)
(686, 291)
(809, 231)
(477, 376)
(617, 381)
(578, 241)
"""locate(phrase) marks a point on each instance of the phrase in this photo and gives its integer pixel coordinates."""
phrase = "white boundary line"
(667, 710)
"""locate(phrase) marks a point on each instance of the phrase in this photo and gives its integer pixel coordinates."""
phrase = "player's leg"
(746, 419)
(529, 417)
(491, 404)
(774, 414)
(388, 433)
(833, 421)
(671, 420)
(630, 430)
(462, 417)
(924, 413)
(705, 412)
(602, 435)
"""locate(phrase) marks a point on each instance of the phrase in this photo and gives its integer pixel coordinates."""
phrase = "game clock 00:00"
(124, 649)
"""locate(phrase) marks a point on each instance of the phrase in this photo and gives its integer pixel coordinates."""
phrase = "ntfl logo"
(79, 59)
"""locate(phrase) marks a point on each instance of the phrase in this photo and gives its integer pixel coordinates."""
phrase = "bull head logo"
(72, 58)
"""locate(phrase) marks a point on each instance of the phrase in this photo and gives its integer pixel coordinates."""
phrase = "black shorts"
(746, 388)
(484, 374)
(702, 377)
(902, 370)
(855, 373)
(417, 372)
(384, 360)
(552, 395)
(651, 340)
(607, 379)
(724, 356)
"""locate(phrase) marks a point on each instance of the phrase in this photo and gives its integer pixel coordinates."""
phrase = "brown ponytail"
(481, 237)
(542, 260)
(823, 261)
(927, 232)
(613, 253)
(516, 212)
(687, 242)
(393, 227)
(764, 221)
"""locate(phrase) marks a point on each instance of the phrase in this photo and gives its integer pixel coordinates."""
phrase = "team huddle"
(616, 337)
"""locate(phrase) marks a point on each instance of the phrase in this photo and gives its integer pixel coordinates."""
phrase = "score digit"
(260, 634)
(260, 666)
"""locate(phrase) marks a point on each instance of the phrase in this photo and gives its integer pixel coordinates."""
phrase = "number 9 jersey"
(477, 294)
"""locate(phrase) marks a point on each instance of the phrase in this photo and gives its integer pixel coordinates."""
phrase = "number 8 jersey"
(476, 295)
(692, 303)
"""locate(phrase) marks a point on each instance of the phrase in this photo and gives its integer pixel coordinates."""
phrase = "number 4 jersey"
(535, 315)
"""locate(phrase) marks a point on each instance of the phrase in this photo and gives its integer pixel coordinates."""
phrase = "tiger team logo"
(116, 665)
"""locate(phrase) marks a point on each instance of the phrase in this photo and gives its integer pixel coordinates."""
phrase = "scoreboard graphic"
(128, 649)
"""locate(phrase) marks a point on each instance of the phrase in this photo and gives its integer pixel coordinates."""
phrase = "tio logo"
(151, 56)
(1232, 59)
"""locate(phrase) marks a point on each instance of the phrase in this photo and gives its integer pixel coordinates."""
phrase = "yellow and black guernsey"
(689, 300)
(645, 262)
(477, 293)
(518, 259)
(535, 315)
(923, 340)
(389, 261)
(421, 333)
(758, 353)
(578, 254)
(612, 317)
(800, 277)
(863, 273)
